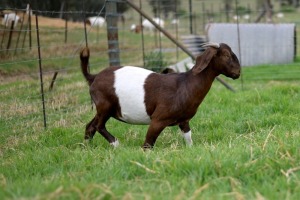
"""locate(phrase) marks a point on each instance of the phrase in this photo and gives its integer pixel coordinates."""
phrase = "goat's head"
(221, 58)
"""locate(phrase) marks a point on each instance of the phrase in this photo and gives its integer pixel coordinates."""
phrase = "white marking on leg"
(115, 143)
(188, 138)
(129, 87)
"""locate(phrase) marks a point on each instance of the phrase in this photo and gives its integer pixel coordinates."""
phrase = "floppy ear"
(203, 60)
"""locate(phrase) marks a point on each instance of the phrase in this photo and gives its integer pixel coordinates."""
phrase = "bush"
(288, 9)
(243, 10)
(154, 61)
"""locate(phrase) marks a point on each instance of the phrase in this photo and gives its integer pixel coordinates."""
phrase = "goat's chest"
(129, 88)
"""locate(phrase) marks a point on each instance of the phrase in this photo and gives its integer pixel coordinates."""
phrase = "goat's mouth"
(235, 76)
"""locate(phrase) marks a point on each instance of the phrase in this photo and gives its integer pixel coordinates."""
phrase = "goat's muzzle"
(235, 75)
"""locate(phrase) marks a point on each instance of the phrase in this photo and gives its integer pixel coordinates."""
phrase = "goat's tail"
(84, 58)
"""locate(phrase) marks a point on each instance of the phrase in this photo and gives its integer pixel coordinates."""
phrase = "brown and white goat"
(138, 96)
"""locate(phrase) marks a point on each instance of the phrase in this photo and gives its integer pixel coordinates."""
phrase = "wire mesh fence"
(62, 38)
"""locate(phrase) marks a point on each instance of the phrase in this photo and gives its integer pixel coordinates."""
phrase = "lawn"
(246, 145)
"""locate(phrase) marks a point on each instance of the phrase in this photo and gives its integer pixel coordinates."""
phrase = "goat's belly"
(135, 118)
(129, 87)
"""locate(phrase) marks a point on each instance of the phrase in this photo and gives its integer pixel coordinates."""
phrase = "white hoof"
(188, 138)
(115, 143)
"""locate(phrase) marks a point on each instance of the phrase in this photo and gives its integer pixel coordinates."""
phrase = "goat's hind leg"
(90, 129)
(102, 130)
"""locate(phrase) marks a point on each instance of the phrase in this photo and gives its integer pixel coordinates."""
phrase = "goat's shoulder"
(169, 79)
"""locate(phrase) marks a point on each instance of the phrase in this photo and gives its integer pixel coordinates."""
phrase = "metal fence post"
(191, 17)
(10, 35)
(112, 32)
(40, 69)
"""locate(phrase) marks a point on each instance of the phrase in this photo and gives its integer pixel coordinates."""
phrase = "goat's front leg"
(153, 132)
(186, 132)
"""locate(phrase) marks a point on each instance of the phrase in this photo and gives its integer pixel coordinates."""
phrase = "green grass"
(246, 146)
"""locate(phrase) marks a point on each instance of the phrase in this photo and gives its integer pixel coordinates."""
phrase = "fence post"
(295, 43)
(40, 69)
(19, 34)
(112, 32)
(4, 30)
(66, 22)
(29, 27)
(239, 41)
(84, 25)
(10, 35)
(53, 80)
(191, 17)
(142, 33)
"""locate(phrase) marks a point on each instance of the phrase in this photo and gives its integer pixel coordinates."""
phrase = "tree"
(295, 3)
(228, 8)
(267, 9)
(164, 7)
(57, 5)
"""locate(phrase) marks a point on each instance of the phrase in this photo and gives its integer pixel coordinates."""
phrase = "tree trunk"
(269, 11)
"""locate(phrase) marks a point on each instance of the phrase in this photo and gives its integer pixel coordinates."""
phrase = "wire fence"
(61, 40)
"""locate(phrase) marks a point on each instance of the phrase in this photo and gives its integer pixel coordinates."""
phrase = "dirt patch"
(55, 22)
(6, 79)
(47, 21)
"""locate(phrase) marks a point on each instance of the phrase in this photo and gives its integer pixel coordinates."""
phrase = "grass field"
(246, 146)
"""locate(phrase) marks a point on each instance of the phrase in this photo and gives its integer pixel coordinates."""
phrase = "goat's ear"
(203, 60)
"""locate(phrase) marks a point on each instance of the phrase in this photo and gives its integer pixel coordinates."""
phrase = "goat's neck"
(201, 83)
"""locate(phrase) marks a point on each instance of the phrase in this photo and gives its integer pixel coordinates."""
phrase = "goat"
(138, 96)
(175, 21)
(9, 18)
(95, 21)
(136, 28)
(146, 24)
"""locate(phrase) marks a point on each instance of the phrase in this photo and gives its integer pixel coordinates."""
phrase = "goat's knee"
(188, 137)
